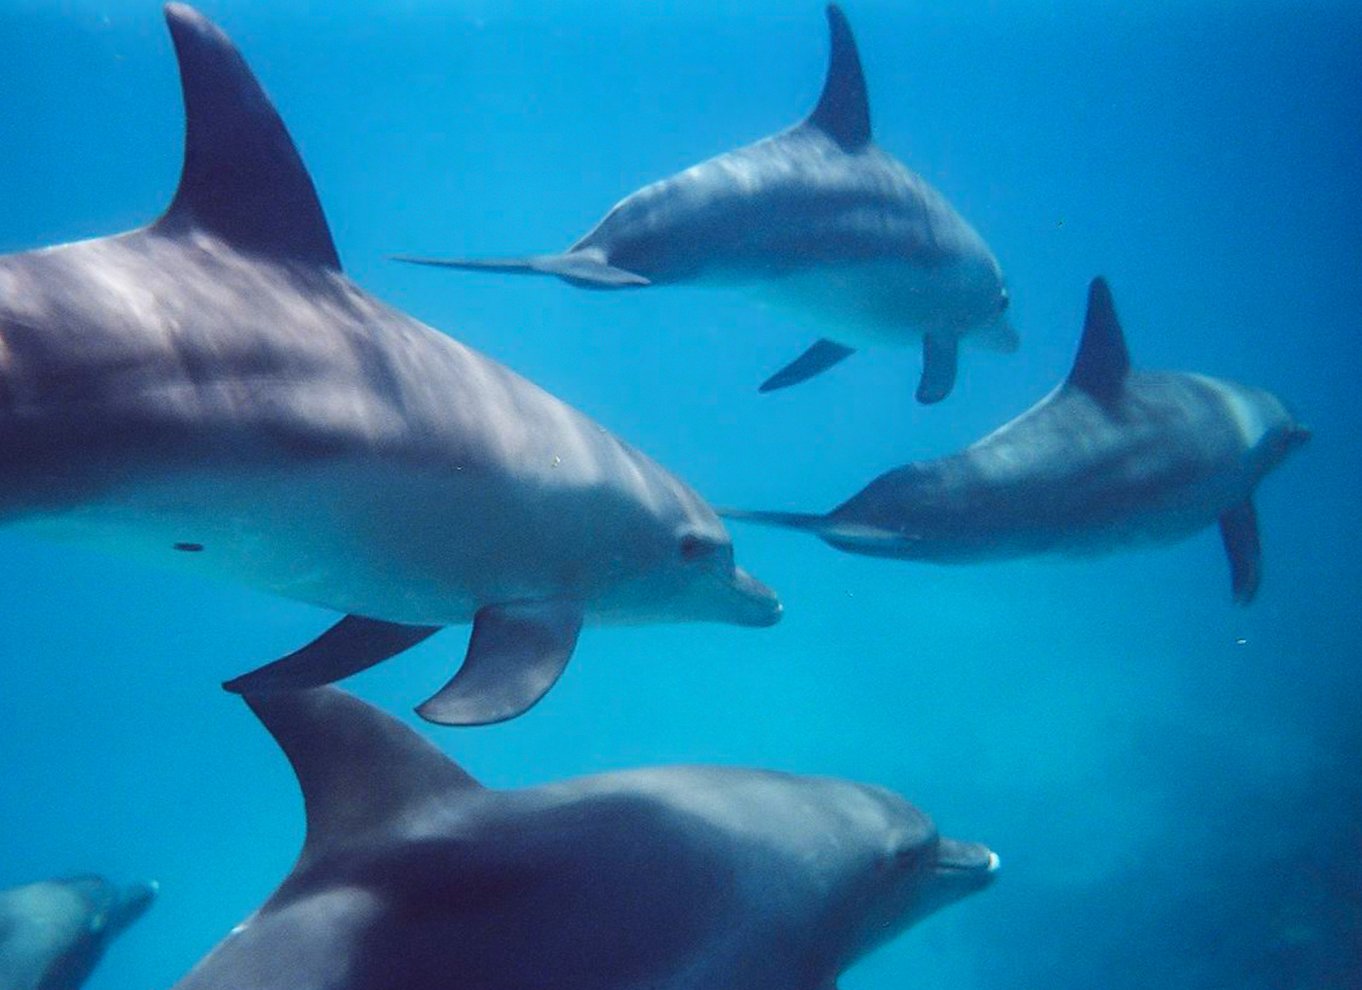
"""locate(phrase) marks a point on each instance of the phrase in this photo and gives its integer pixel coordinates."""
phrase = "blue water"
(1174, 784)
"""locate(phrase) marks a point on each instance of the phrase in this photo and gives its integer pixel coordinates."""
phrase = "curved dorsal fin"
(359, 768)
(242, 177)
(843, 111)
(1102, 363)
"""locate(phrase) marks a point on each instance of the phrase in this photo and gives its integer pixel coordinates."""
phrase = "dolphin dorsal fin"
(843, 111)
(359, 768)
(242, 178)
(1102, 363)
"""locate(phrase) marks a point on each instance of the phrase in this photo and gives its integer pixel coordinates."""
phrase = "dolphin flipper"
(516, 653)
(1239, 530)
(580, 268)
(351, 645)
(816, 360)
(940, 355)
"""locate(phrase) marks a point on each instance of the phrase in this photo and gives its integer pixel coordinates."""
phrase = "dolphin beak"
(757, 605)
(133, 902)
(967, 866)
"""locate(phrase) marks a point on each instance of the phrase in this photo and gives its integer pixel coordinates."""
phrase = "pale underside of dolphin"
(818, 218)
(54, 933)
(1113, 458)
(414, 877)
(211, 390)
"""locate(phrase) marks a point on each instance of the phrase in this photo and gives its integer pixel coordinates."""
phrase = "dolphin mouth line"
(991, 864)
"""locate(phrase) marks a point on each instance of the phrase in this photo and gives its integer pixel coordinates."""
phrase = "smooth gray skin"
(816, 217)
(53, 933)
(1112, 458)
(211, 390)
(677, 878)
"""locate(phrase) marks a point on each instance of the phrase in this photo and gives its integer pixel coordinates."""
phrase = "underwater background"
(1174, 784)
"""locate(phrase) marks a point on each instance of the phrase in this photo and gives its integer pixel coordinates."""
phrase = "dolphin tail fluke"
(578, 268)
(516, 653)
(351, 645)
(810, 521)
(816, 360)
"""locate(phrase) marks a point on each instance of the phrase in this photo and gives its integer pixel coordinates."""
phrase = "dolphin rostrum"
(816, 217)
(53, 933)
(673, 878)
(1111, 458)
(212, 389)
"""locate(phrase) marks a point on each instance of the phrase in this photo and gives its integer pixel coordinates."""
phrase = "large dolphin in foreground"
(53, 933)
(413, 876)
(212, 389)
(1113, 457)
(816, 217)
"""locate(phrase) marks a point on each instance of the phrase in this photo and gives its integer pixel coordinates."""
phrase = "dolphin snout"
(970, 865)
(757, 604)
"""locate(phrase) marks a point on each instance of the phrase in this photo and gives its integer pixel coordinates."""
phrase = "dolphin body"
(675, 878)
(212, 389)
(1113, 457)
(53, 933)
(816, 217)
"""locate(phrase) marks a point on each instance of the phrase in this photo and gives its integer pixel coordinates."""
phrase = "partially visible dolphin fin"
(816, 360)
(516, 653)
(577, 267)
(1000, 337)
(242, 178)
(1239, 530)
(1103, 363)
(843, 111)
(359, 768)
(940, 357)
(351, 645)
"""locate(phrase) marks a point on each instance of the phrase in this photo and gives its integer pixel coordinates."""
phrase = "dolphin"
(212, 389)
(1113, 457)
(53, 933)
(412, 875)
(816, 218)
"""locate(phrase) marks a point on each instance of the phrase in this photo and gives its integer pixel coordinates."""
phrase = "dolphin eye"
(694, 549)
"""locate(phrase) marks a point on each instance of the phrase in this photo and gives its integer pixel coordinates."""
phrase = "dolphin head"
(703, 582)
(859, 864)
(1268, 428)
(898, 870)
(680, 568)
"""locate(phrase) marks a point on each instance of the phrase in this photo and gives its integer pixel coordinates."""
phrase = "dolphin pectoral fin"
(516, 653)
(1001, 338)
(351, 645)
(1239, 530)
(816, 360)
(579, 268)
(940, 356)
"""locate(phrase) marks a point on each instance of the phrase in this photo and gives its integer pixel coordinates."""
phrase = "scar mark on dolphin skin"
(189, 547)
